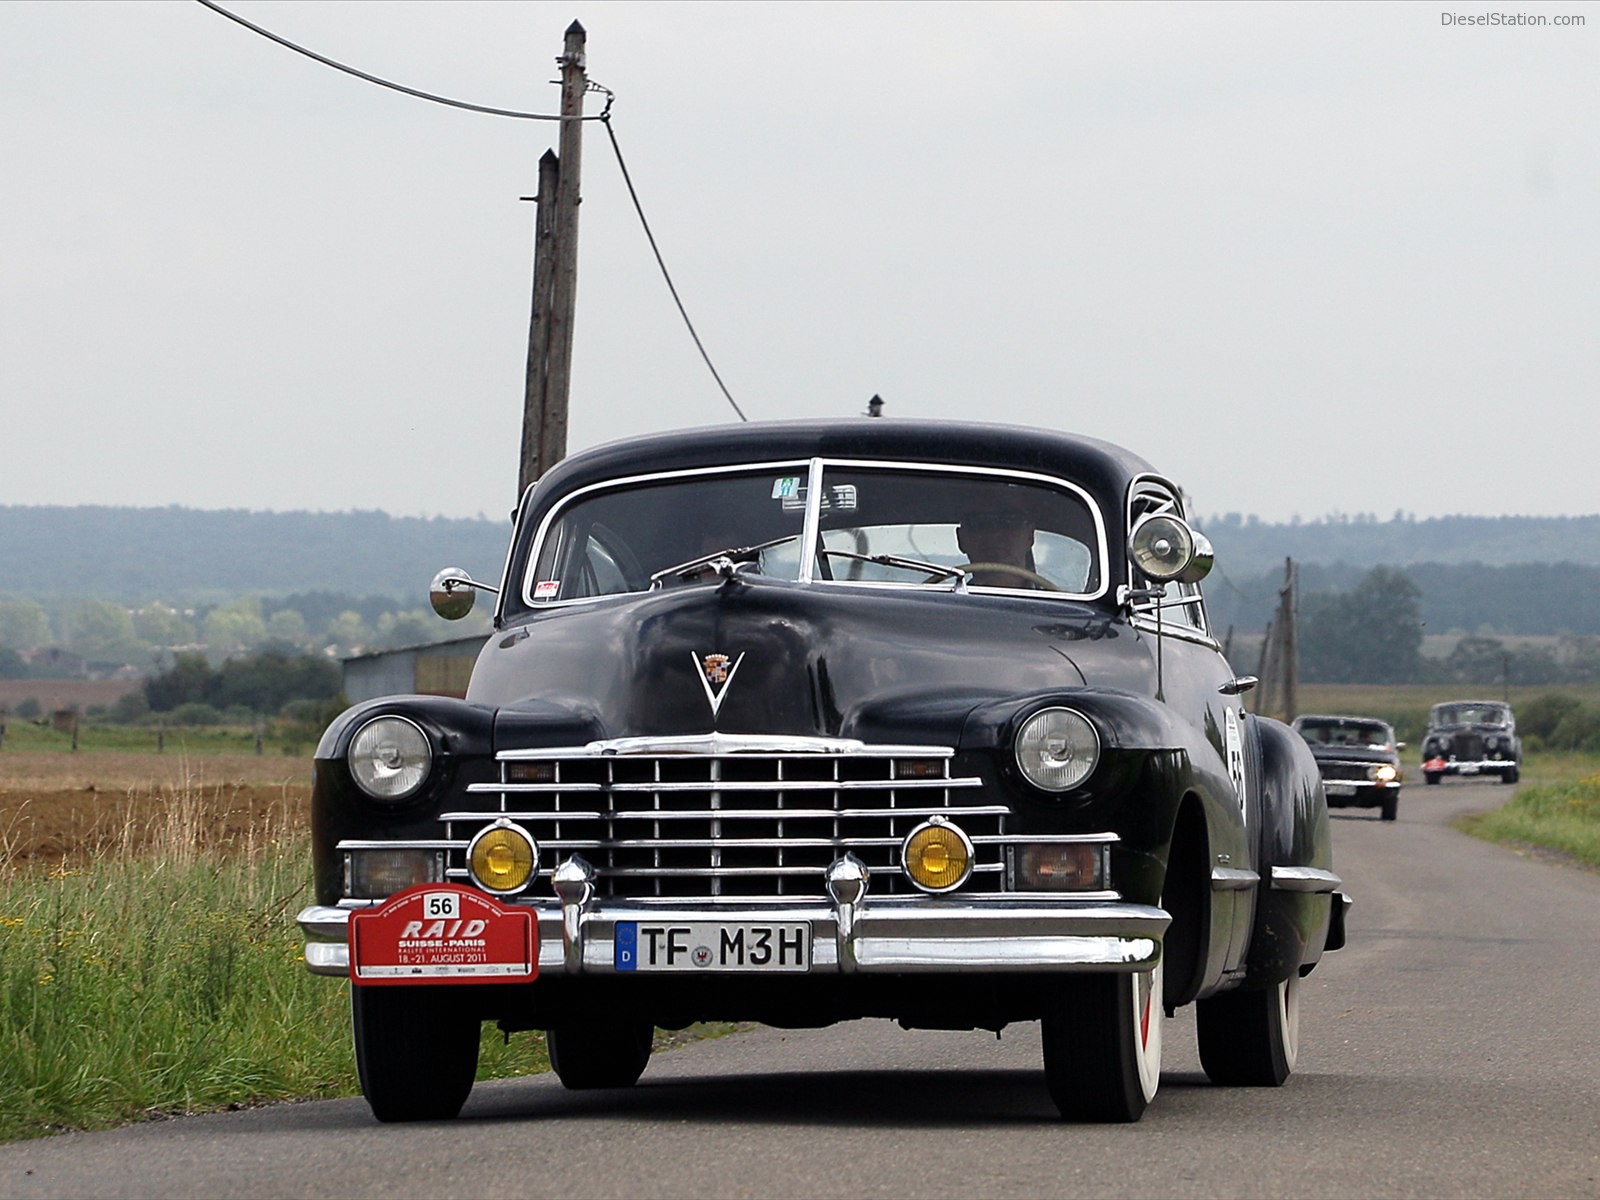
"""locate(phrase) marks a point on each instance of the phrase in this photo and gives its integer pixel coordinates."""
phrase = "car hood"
(749, 655)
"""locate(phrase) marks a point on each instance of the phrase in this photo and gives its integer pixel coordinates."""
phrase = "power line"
(398, 87)
(603, 116)
(665, 274)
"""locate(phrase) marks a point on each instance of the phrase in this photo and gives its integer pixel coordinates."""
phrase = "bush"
(195, 714)
(1540, 716)
(1578, 730)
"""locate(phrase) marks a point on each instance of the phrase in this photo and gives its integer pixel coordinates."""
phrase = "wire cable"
(665, 274)
(604, 117)
(398, 87)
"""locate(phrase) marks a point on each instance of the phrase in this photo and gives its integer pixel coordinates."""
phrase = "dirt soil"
(55, 805)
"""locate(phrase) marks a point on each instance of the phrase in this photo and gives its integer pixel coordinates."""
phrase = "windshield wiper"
(721, 562)
(894, 560)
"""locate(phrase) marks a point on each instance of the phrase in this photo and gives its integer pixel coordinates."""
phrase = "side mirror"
(453, 592)
(1164, 549)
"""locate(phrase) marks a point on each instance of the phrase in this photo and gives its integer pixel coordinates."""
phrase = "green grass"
(201, 740)
(1557, 807)
(171, 981)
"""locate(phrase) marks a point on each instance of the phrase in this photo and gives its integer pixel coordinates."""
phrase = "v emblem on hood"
(716, 673)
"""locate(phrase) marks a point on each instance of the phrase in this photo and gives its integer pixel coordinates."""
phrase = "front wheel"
(1102, 1045)
(600, 1053)
(1391, 806)
(1509, 775)
(1251, 1039)
(416, 1051)
(1430, 777)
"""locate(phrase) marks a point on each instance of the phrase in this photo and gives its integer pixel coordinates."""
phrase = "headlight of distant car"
(1383, 773)
(1056, 749)
(389, 758)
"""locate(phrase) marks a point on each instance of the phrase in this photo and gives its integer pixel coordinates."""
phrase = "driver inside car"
(997, 539)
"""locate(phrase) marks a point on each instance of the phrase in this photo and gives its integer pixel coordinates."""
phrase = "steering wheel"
(1009, 569)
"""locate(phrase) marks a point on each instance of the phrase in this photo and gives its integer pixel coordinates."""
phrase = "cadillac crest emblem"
(716, 672)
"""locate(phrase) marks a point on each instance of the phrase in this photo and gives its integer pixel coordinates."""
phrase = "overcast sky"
(1307, 259)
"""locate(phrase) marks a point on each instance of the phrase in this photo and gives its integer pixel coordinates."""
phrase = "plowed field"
(58, 805)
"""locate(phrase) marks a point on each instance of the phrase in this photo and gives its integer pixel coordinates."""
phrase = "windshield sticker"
(788, 488)
(546, 589)
(841, 497)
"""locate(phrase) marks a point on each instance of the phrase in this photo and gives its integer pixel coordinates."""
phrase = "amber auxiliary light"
(937, 856)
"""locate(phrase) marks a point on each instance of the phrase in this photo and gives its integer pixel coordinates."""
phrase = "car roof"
(1100, 467)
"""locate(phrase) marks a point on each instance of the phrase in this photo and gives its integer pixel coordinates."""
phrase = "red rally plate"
(443, 933)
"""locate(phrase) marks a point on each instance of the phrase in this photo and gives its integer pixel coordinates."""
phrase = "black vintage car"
(804, 722)
(1471, 737)
(1359, 760)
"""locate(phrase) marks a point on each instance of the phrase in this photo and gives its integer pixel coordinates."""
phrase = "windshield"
(877, 525)
(1325, 731)
(1471, 714)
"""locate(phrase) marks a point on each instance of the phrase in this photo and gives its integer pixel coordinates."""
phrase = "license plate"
(712, 946)
(1339, 789)
(442, 933)
(1467, 769)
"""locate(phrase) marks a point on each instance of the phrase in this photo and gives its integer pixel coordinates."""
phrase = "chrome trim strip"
(765, 814)
(1232, 879)
(1304, 879)
(816, 468)
(408, 843)
(770, 785)
(714, 745)
(811, 523)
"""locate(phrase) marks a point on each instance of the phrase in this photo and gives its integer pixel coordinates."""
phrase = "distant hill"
(1246, 546)
(1530, 575)
(136, 555)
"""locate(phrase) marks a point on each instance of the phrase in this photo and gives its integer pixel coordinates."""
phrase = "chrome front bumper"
(888, 935)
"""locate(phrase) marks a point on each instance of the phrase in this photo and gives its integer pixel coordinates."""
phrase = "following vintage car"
(1359, 761)
(804, 722)
(1471, 737)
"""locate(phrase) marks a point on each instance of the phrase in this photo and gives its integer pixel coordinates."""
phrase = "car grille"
(1345, 770)
(1468, 747)
(726, 816)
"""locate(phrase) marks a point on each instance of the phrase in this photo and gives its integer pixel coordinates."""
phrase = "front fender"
(1291, 926)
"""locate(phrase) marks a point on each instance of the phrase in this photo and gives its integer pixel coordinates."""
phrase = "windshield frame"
(811, 527)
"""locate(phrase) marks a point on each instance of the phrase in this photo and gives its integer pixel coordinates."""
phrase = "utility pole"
(555, 277)
(1291, 640)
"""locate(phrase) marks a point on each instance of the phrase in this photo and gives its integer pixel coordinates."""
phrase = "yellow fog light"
(937, 856)
(502, 859)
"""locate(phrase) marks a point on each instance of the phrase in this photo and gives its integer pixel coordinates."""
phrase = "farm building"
(435, 669)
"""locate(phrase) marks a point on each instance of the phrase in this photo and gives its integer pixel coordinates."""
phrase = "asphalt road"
(1452, 1050)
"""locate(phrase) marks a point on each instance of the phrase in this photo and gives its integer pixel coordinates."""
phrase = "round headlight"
(1384, 773)
(389, 758)
(937, 856)
(1056, 749)
(502, 858)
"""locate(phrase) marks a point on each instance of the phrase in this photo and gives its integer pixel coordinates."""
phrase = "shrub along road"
(1449, 1051)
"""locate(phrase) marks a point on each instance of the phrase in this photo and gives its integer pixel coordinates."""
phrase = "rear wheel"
(600, 1053)
(416, 1051)
(1102, 1045)
(1251, 1039)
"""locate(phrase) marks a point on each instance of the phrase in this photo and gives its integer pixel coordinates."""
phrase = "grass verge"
(1556, 809)
(163, 975)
